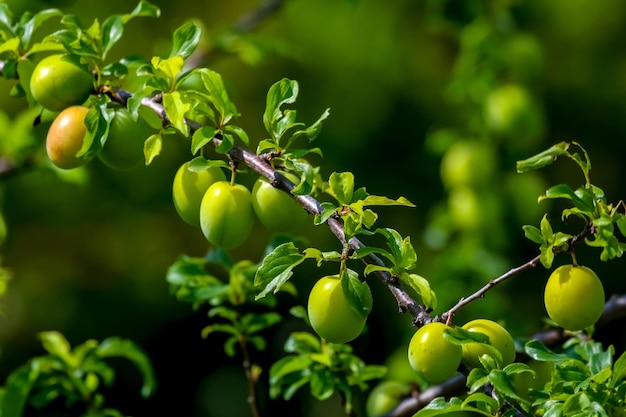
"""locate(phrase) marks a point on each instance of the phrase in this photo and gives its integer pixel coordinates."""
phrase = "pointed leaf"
(118, 347)
(176, 108)
(342, 186)
(152, 147)
(276, 268)
(112, 30)
(375, 200)
(542, 159)
(357, 292)
(282, 92)
(201, 137)
(186, 40)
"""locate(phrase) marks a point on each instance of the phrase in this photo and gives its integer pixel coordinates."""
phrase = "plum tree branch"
(261, 166)
(408, 407)
(512, 272)
(614, 308)
(492, 283)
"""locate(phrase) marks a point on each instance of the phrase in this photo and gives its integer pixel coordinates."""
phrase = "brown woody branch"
(260, 164)
(513, 272)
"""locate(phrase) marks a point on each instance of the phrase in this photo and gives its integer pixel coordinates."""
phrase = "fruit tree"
(170, 201)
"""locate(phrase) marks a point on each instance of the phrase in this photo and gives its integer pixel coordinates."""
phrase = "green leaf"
(533, 234)
(145, 9)
(307, 176)
(538, 351)
(403, 255)
(35, 22)
(186, 40)
(152, 147)
(97, 122)
(322, 384)
(17, 389)
(619, 369)
(201, 137)
(170, 67)
(200, 163)
(112, 30)
(565, 191)
(310, 132)
(276, 268)
(118, 347)
(302, 342)
(56, 344)
(282, 92)
(502, 383)
(239, 132)
(422, 287)
(219, 97)
(176, 108)
(357, 292)
(342, 186)
(375, 200)
(226, 144)
(542, 159)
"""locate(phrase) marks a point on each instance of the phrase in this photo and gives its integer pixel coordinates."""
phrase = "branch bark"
(261, 166)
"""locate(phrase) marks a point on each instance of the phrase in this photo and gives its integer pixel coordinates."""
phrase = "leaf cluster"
(72, 374)
(588, 203)
(327, 368)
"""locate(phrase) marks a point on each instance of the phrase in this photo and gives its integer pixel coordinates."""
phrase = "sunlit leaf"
(276, 268)
(186, 40)
(152, 147)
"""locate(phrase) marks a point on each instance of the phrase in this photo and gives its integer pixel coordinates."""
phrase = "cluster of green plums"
(226, 211)
(61, 84)
(574, 300)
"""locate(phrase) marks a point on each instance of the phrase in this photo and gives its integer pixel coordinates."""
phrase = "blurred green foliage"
(88, 250)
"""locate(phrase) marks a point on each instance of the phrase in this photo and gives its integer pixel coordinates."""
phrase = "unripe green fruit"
(431, 355)
(66, 136)
(384, 397)
(499, 338)
(574, 297)
(123, 148)
(226, 215)
(330, 314)
(188, 189)
(467, 162)
(511, 111)
(58, 82)
(274, 208)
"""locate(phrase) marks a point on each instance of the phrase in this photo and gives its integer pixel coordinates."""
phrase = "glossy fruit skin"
(226, 215)
(431, 355)
(499, 338)
(574, 297)
(274, 208)
(123, 148)
(330, 314)
(65, 137)
(384, 397)
(188, 189)
(58, 82)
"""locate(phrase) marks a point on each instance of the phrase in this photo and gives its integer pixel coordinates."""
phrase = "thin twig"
(614, 308)
(481, 292)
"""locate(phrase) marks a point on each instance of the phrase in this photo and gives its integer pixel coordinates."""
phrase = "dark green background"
(89, 258)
